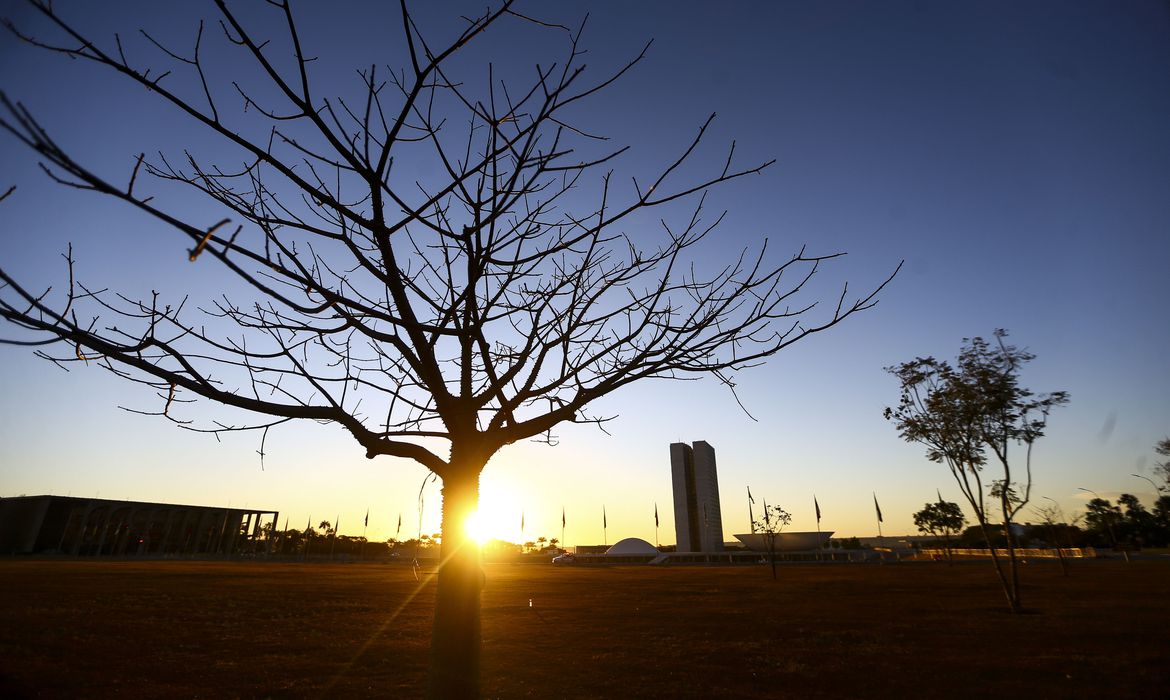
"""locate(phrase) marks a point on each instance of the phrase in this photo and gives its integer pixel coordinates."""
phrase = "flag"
(562, 517)
(604, 522)
(877, 508)
(751, 515)
(818, 507)
(940, 500)
(655, 515)
(521, 522)
(399, 530)
(309, 525)
(336, 524)
(367, 523)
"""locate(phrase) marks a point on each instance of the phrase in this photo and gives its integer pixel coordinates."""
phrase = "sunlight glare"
(498, 517)
(477, 528)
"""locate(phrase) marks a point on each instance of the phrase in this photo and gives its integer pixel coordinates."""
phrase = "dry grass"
(187, 629)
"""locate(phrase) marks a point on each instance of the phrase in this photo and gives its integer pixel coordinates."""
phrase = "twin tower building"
(698, 523)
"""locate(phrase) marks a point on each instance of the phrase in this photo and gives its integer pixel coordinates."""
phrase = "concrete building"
(787, 541)
(698, 522)
(100, 527)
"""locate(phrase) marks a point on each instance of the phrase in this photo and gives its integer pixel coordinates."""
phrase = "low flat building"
(99, 527)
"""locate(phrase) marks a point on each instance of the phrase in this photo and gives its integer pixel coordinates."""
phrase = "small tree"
(1052, 517)
(770, 524)
(964, 412)
(942, 519)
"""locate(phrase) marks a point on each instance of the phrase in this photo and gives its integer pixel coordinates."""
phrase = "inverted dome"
(631, 546)
(787, 541)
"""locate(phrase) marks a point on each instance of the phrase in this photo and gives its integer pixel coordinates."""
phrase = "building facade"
(698, 522)
(99, 527)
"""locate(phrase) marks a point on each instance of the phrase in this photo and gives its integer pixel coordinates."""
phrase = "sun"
(478, 528)
(499, 514)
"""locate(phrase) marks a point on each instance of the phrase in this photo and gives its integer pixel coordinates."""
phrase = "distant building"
(786, 541)
(698, 522)
(100, 527)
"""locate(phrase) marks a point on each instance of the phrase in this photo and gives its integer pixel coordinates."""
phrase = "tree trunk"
(455, 638)
(1013, 602)
(1013, 567)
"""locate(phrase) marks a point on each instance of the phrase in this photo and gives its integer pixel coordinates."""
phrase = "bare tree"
(1053, 518)
(964, 412)
(770, 525)
(436, 319)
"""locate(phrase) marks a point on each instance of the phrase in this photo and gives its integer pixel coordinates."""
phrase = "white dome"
(631, 546)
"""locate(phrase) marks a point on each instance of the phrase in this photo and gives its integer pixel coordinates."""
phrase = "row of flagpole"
(816, 505)
(604, 521)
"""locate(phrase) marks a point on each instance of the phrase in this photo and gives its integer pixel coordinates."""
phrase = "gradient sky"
(1015, 155)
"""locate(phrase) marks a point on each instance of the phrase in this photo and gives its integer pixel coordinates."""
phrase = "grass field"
(912, 630)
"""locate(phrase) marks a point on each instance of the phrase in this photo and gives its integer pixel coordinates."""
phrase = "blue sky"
(1015, 155)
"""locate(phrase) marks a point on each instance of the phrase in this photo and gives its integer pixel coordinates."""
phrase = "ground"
(243, 629)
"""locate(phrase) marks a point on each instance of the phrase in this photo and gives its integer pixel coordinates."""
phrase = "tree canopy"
(971, 415)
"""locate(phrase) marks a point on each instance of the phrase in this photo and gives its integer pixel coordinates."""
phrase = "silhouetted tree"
(1162, 468)
(1109, 524)
(428, 272)
(1052, 518)
(1137, 526)
(1161, 515)
(964, 412)
(770, 524)
(942, 519)
(1103, 520)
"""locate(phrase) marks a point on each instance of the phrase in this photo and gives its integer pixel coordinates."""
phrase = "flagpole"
(751, 517)
(604, 528)
(820, 546)
(333, 540)
(656, 543)
(308, 539)
(365, 526)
